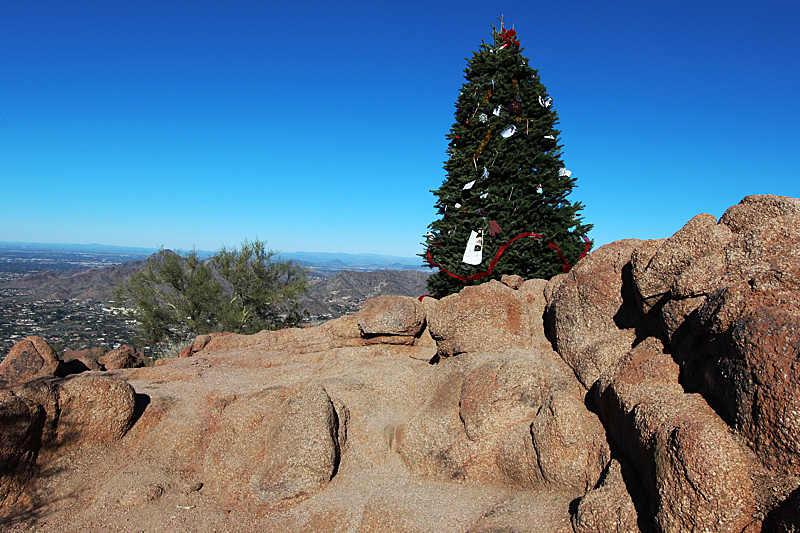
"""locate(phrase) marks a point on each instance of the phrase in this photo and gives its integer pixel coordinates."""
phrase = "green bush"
(237, 290)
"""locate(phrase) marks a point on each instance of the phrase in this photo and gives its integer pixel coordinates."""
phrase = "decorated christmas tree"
(503, 206)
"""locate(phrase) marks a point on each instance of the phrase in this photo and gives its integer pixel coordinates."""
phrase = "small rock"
(123, 357)
(512, 280)
(141, 495)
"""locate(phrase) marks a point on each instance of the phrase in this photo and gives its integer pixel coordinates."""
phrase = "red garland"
(509, 36)
(493, 262)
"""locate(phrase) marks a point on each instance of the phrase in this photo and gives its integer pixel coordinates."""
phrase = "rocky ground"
(653, 388)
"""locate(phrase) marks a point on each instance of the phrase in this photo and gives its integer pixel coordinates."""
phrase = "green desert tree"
(505, 177)
(237, 290)
(264, 290)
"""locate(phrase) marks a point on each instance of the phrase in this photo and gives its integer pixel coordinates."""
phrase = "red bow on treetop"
(509, 36)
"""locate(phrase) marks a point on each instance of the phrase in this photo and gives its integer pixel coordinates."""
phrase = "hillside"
(344, 292)
(79, 284)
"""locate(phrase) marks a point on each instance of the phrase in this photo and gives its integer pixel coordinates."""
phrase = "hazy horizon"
(155, 249)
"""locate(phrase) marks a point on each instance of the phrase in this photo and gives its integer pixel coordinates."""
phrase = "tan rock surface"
(211, 419)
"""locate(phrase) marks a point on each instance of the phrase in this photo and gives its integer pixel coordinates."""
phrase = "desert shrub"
(246, 290)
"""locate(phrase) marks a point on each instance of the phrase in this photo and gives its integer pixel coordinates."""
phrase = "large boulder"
(684, 266)
(763, 378)
(514, 418)
(753, 210)
(394, 319)
(302, 449)
(697, 475)
(21, 423)
(94, 408)
(593, 317)
(727, 298)
(29, 359)
(570, 443)
(489, 317)
(45, 392)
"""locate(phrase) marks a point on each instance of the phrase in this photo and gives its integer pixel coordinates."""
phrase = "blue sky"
(320, 126)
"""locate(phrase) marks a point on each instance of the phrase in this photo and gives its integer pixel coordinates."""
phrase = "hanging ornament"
(545, 103)
(494, 228)
(496, 111)
(539, 188)
(515, 108)
(485, 173)
(458, 205)
(483, 117)
(508, 132)
(430, 235)
(469, 185)
(550, 137)
(564, 172)
(484, 196)
(473, 254)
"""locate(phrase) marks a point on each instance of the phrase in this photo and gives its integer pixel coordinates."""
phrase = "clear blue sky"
(320, 126)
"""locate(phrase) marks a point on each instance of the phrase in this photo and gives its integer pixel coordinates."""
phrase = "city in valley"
(63, 293)
(68, 323)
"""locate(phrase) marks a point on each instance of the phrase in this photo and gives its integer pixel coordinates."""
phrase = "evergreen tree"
(504, 177)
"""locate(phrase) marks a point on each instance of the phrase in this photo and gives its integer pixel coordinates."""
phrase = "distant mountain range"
(325, 261)
(364, 262)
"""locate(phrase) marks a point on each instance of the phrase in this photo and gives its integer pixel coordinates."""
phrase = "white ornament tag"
(564, 172)
(458, 205)
(508, 132)
(473, 255)
(496, 111)
(550, 137)
(469, 185)
(545, 102)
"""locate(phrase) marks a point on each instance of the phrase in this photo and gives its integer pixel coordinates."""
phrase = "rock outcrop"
(21, 423)
(653, 388)
(123, 357)
(28, 359)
